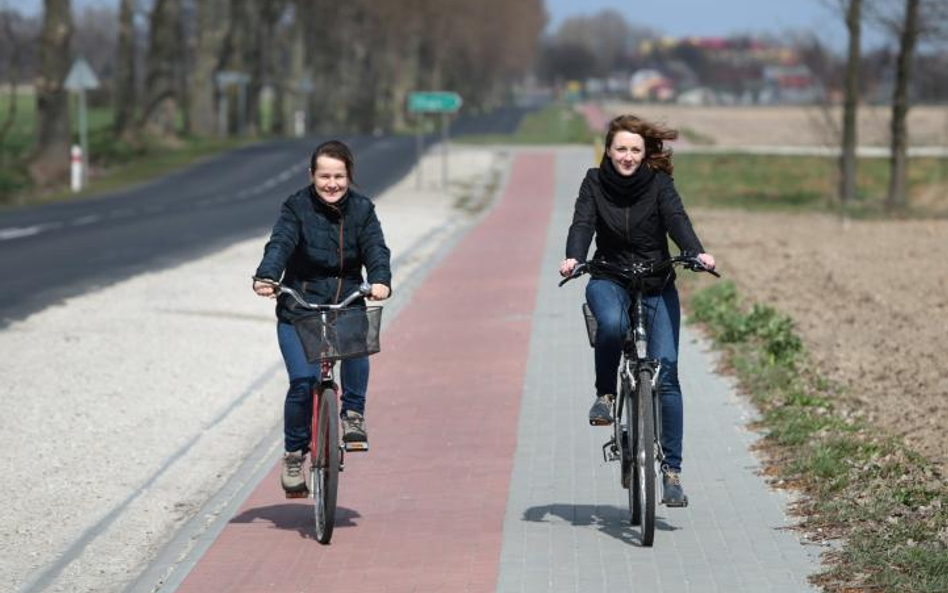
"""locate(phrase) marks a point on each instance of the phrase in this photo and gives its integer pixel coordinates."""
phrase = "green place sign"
(434, 102)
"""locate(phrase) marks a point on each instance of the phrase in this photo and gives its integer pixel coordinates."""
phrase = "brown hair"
(337, 150)
(656, 155)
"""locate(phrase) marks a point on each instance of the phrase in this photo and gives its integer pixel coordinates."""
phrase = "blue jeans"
(298, 406)
(610, 303)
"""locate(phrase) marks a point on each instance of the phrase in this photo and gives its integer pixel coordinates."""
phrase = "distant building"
(651, 85)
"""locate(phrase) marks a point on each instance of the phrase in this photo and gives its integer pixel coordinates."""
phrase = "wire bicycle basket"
(338, 334)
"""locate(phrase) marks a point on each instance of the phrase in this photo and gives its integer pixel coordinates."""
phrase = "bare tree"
(125, 98)
(213, 23)
(898, 165)
(847, 163)
(49, 162)
(159, 115)
(13, 45)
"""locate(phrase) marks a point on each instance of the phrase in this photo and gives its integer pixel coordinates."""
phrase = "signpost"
(80, 78)
(443, 102)
(225, 79)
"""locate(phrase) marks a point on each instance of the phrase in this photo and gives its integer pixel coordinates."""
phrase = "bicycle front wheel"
(645, 456)
(325, 469)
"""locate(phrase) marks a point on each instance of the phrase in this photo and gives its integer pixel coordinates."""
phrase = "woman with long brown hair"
(631, 206)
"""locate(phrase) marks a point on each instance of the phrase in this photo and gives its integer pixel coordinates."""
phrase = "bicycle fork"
(611, 448)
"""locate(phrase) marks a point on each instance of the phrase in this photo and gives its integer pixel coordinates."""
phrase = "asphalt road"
(51, 252)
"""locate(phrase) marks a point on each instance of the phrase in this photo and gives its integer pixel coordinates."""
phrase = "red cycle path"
(423, 511)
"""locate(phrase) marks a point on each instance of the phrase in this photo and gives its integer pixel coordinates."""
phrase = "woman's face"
(626, 152)
(330, 178)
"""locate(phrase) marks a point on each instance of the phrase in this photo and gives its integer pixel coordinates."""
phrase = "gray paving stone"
(566, 526)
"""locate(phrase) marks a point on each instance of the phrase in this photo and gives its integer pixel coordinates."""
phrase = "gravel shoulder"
(125, 409)
(870, 299)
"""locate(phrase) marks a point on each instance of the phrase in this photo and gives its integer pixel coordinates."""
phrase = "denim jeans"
(298, 406)
(610, 303)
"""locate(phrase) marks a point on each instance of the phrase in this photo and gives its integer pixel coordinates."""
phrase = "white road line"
(27, 231)
(84, 220)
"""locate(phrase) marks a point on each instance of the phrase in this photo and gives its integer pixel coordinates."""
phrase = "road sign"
(81, 76)
(434, 102)
(229, 77)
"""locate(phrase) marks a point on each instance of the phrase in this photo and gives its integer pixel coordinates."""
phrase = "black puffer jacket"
(320, 249)
(630, 228)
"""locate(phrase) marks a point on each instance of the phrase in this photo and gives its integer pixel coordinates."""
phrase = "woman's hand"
(707, 260)
(567, 266)
(264, 288)
(379, 292)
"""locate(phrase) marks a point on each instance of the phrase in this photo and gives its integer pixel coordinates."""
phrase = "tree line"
(200, 67)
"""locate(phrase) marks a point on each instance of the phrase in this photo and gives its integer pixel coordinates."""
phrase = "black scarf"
(622, 188)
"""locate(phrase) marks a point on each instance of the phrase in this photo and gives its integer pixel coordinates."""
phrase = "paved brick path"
(424, 510)
(567, 523)
(484, 475)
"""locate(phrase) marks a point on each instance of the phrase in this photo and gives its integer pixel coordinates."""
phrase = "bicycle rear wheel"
(644, 471)
(325, 456)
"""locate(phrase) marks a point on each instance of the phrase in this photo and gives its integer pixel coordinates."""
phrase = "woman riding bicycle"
(630, 204)
(325, 235)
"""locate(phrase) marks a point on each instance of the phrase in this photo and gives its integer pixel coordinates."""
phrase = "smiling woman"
(326, 234)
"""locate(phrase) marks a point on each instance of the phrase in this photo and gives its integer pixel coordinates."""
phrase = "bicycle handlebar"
(639, 269)
(364, 290)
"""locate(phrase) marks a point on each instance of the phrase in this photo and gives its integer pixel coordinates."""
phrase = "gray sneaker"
(600, 414)
(293, 476)
(353, 428)
(672, 493)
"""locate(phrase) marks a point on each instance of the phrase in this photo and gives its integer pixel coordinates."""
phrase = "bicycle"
(331, 334)
(636, 409)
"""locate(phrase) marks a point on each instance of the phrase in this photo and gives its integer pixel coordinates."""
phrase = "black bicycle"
(636, 439)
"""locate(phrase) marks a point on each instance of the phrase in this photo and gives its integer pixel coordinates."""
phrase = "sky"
(684, 18)
(677, 18)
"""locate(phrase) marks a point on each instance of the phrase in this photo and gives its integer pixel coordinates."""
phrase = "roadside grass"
(116, 163)
(884, 505)
(554, 124)
(799, 183)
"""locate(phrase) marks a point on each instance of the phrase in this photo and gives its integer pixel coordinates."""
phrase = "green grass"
(887, 505)
(117, 163)
(798, 183)
(554, 124)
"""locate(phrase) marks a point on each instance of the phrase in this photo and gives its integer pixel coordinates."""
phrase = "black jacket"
(320, 249)
(630, 228)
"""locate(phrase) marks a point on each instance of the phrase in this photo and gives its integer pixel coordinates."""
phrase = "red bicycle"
(332, 333)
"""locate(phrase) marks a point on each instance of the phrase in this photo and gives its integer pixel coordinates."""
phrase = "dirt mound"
(870, 299)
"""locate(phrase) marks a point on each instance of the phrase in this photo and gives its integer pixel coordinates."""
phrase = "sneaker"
(600, 414)
(353, 428)
(672, 493)
(293, 477)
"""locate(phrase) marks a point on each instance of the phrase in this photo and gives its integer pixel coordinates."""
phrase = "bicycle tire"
(629, 467)
(325, 470)
(645, 455)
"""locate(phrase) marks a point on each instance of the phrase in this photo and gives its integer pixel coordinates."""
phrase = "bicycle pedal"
(298, 494)
(356, 447)
(609, 451)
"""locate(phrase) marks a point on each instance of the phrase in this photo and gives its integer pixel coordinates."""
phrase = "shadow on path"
(607, 519)
(294, 517)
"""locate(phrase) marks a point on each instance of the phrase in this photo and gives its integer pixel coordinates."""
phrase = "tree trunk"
(898, 165)
(847, 179)
(213, 22)
(125, 99)
(49, 162)
(161, 96)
